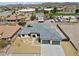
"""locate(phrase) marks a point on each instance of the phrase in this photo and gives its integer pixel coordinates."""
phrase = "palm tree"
(33, 17)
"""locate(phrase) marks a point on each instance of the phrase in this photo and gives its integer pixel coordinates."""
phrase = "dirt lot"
(24, 46)
(72, 31)
(68, 48)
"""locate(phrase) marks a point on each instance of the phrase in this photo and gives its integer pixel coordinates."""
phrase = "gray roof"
(46, 32)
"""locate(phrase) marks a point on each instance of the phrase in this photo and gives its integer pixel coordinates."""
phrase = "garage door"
(55, 42)
(45, 41)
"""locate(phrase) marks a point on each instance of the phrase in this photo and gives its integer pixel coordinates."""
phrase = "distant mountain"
(14, 3)
(35, 4)
(59, 3)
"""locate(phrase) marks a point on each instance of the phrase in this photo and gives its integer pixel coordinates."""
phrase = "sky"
(7, 3)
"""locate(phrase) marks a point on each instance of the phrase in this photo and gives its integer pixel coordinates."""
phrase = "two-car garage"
(50, 42)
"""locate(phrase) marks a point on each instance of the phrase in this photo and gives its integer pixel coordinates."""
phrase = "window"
(38, 34)
(23, 35)
(33, 36)
(56, 42)
(28, 34)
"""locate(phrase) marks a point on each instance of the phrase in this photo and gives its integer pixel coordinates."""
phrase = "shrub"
(33, 17)
(3, 43)
(22, 23)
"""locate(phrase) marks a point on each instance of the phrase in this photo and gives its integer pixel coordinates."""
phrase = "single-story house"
(40, 17)
(71, 19)
(48, 9)
(41, 32)
(14, 18)
(8, 32)
(27, 10)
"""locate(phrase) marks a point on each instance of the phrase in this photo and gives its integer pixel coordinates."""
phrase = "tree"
(3, 19)
(69, 19)
(54, 10)
(51, 11)
(50, 16)
(36, 9)
(0, 19)
(46, 12)
(3, 43)
(22, 23)
(13, 12)
(33, 17)
(77, 11)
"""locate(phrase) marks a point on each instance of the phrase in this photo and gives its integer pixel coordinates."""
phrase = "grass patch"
(65, 14)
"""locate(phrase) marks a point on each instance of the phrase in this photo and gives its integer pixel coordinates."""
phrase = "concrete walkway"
(51, 50)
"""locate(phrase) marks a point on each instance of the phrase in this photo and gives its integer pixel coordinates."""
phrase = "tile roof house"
(8, 31)
(15, 18)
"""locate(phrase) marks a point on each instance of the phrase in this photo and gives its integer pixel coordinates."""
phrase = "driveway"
(51, 50)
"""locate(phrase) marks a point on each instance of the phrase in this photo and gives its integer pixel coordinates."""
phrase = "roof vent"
(29, 25)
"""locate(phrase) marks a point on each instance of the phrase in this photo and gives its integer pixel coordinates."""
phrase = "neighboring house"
(69, 9)
(48, 9)
(15, 18)
(40, 17)
(8, 32)
(71, 19)
(5, 13)
(41, 32)
(27, 10)
(12, 19)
